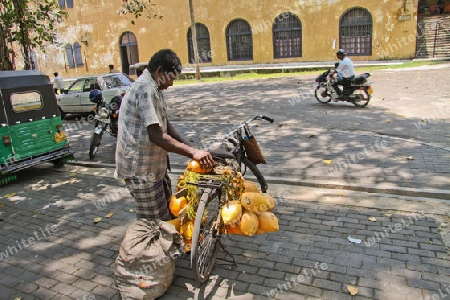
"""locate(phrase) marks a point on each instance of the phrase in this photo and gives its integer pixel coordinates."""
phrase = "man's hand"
(204, 158)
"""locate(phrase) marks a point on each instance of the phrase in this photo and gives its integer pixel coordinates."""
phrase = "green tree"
(25, 25)
(138, 7)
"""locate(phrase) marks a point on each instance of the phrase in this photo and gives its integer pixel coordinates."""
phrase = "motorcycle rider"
(345, 73)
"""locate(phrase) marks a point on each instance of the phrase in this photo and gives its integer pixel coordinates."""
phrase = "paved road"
(401, 139)
(403, 254)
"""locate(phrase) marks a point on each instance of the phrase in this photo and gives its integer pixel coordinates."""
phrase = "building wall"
(96, 25)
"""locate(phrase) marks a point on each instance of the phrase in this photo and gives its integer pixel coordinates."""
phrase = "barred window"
(65, 3)
(78, 55)
(239, 40)
(69, 56)
(355, 35)
(287, 36)
(203, 44)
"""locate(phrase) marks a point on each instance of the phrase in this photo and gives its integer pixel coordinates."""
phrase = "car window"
(77, 87)
(90, 84)
(114, 80)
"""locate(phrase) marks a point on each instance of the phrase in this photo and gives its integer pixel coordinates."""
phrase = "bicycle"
(208, 226)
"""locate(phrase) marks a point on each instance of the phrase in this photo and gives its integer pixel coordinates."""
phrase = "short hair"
(111, 67)
(167, 60)
(56, 73)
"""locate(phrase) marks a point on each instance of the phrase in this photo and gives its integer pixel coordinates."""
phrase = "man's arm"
(170, 144)
(173, 133)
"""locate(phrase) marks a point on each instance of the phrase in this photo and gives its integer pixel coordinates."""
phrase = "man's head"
(111, 67)
(164, 66)
(56, 74)
(341, 54)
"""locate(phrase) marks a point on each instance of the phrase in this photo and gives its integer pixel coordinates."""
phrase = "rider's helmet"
(341, 51)
(95, 96)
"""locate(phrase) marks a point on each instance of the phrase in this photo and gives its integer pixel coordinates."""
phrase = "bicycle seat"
(221, 153)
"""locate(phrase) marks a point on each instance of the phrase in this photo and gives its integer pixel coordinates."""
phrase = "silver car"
(75, 98)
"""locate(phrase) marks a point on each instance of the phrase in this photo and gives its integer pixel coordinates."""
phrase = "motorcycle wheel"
(363, 98)
(96, 139)
(321, 89)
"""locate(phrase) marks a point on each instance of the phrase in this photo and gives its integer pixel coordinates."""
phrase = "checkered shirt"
(136, 156)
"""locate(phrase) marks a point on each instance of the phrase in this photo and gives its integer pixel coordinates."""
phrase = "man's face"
(340, 56)
(164, 79)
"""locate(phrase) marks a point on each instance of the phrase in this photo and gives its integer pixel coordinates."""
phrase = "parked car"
(136, 68)
(30, 124)
(75, 98)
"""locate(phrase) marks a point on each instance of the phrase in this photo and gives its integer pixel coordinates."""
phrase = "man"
(345, 72)
(146, 136)
(112, 70)
(58, 84)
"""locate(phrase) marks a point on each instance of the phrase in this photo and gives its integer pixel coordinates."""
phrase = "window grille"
(69, 54)
(356, 32)
(287, 36)
(239, 41)
(65, 3)
(203, 44)
(78, 55)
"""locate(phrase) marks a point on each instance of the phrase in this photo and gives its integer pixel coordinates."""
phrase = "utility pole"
(194, 41)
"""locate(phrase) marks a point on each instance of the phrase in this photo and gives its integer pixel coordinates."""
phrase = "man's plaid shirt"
(136, 156)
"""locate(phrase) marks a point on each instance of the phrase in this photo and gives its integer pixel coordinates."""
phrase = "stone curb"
(379, 189)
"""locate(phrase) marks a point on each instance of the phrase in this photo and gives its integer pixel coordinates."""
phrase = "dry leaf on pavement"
(109, 215)
(98, 219)
(327, 161)
(10, 195)
(372, 219)
(352, 290)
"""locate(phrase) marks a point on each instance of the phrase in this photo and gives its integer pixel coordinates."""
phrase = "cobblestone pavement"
(402, 255)
(51, 249)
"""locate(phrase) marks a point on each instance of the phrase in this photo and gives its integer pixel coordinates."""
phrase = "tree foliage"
(24, 26)
(138, 7)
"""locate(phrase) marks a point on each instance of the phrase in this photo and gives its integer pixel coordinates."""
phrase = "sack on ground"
(145, 265)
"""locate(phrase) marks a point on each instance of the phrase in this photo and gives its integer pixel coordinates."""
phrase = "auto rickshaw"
(31, 129)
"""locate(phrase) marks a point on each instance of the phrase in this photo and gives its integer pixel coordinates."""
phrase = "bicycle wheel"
(262, 181)
(206, 236)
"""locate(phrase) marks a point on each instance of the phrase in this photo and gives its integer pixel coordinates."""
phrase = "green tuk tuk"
(31, 129)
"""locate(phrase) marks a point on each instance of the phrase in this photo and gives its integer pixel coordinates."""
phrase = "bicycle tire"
(204, 250)
(261, 180)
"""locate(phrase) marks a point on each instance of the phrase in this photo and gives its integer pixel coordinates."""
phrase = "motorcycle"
(106, 119)
(359, 92)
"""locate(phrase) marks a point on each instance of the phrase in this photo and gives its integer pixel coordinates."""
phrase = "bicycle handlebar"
(262, 117)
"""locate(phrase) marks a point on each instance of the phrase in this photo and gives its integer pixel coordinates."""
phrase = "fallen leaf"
(311, 135)
(372, 219)
(98, 219)
(327, 161)
(10, 195)
(388, 215)
(352, 290)
(131, 210)
(382, 99)
(388, 121)
(109, 215)
(1, 204)
(73, 174)
(410, 158)
(37, 212)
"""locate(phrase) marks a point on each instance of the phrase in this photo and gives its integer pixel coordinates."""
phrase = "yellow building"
(231, 32)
